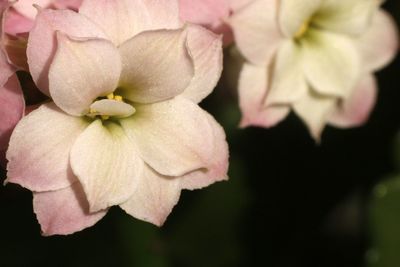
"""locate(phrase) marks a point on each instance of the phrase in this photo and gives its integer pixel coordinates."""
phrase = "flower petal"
(42, 41)
(123, 19)
(83, 70)
(12, 109)
(217, 168)
(331, 63)
(67, 4)
(39, 148)
(64, 211)
(379, 44)
(155, 66)
(107, 164)
(294, 13)
(174, 137)
(109, 107)
(315, 109)
(16, 23)
(355, 110)
(154, 197)
(256, 31)
(345, 16)
(206, 51)
(288, 82)
(253, 87)
(204, 12)
(27, 9)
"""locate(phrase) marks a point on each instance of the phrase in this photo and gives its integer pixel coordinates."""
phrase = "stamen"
(105, 117)
(118, 98)
(303, 29)
(110, 96)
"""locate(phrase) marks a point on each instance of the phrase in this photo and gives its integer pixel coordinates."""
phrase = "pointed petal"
(83, 70)
(256, 31)
(12, 109)
(107, 164)
(380, 43)
(154, 197)
(39, 148)
(155, 66)
(217, 168)
(293, 14)
(112, 108)
(315, 109)
(345, 16)
(174, 137)
(64, 211)
(354, 111)
(253, 87)
(331, 63)
(288, 82)
(123, 19)
(206, 51)
(27, 9)
(42, 41)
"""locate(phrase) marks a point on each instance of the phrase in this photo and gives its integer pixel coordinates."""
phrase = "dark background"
(289, 202)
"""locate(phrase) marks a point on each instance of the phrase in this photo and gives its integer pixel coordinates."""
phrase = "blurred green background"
(289, 202)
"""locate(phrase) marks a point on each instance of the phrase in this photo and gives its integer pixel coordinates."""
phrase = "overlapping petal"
(156, 66)
(204, 12)
(107, 164)
(83, 70)
(27, 9)
(39, 156)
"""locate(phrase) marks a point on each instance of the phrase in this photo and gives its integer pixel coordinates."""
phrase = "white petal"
(174, 136)
(112, 108)
(107, 164)
(156, 66)
(83, 70)
(39, 148)
(154, 197)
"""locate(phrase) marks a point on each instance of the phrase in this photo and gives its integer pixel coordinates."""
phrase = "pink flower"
(124, 128)
(314, 57)
(212, 14)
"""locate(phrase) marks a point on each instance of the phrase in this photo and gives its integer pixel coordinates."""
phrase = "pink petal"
(16, 23)
(78, 75)
(354, 111)
(156, 66)
(123, 19)
(67, 4)
(154, 197)
(39, 148)
(107, 164)
(253, 87)
(380, 44)
(174, 137)
(42, 41)
(27, 9)
(65, 211)
(256, 31)
(12, 109)
(217, 167)
(206, 51)
(204, 12)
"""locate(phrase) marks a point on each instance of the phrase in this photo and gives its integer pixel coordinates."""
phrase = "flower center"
(303, 29)
(110, 106)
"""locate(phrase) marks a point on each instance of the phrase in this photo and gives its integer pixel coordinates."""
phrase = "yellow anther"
(110, 96)
(92, 110)
(303, 29)
(118, 98)
(105, 117)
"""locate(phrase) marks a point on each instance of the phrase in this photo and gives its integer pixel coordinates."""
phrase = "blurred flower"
(212, 14)
(313, 57)
(124, 128)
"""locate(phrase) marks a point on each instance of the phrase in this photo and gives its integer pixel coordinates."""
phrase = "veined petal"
(107, 164)
(123, 19)
(256, 31)
(206, 50)
(331, 63)
(315, 109)
(42, 41)
(83, 70)
(253, 88)
(155, 66)
(154, 197)
(288, 81)
(109, 107)
(26, 8)
(39, 149)
(174, 137)
(354, 111)
(380, 43)
(217, 168)
(64, 211)
(294, 13)
(345, 16)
